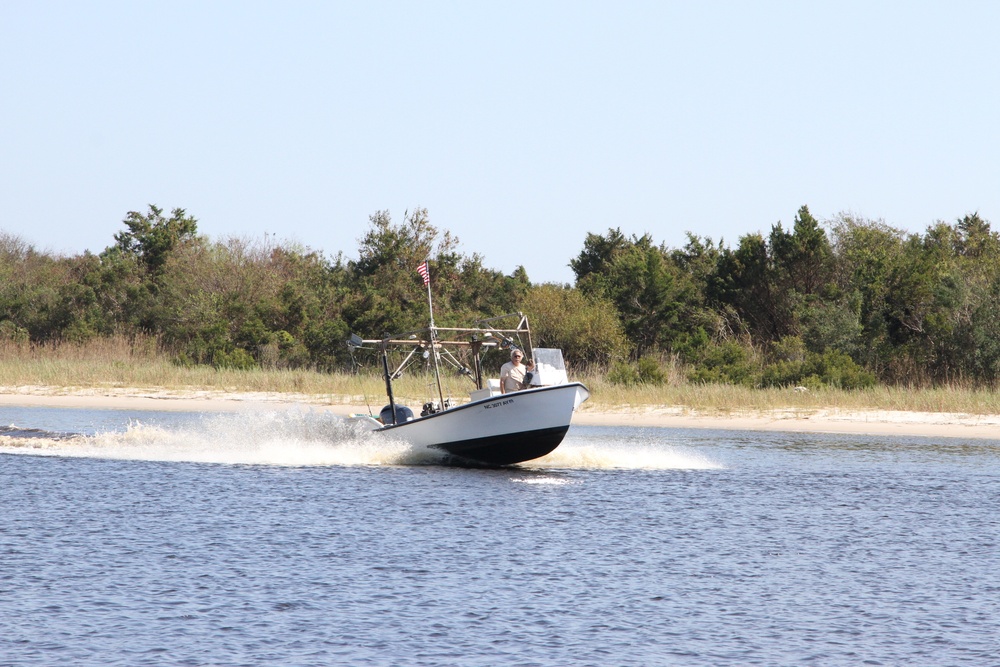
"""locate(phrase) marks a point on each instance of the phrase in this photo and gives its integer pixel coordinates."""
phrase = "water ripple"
(139, 548)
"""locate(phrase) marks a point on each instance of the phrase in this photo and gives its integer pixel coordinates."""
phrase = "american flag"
(424, 273)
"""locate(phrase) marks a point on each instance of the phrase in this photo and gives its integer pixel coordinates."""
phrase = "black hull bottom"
(504, 450)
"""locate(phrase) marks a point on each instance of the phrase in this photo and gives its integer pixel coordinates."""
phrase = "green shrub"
(650, 372)
(690, 346)
(12, 332)
(830, 369)
(624, 374)
(238, 359)
(789, 348)
(584, 328)
(645, 371)
(782, 374)
(836, 369)
(726, 363)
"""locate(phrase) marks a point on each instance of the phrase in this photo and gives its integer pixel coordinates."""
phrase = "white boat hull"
(499, 430)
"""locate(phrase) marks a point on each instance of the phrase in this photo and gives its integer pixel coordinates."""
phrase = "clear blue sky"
(520, 126)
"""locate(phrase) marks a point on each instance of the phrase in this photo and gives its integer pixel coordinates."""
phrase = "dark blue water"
(285, 539)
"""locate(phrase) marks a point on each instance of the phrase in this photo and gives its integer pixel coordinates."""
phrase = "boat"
(490, 428)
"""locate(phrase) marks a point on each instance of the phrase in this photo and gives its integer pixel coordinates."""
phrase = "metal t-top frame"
(483, 335)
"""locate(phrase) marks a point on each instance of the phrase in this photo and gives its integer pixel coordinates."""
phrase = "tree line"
(848, 303)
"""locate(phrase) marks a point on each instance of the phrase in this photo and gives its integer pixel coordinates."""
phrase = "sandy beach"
(928, 424)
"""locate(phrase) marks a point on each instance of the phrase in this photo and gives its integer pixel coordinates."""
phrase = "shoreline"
(872, 422)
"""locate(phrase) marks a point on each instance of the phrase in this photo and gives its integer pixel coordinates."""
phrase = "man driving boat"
(512, 373)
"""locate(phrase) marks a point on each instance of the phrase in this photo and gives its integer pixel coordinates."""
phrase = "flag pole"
(424, 271)
(430, 302)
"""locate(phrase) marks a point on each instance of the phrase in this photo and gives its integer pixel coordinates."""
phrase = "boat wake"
(292, 438)
(622, 456)
(313, 438)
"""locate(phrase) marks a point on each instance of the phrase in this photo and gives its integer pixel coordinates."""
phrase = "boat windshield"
(549, 367)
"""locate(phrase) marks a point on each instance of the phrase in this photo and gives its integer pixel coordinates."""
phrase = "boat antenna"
(355, 343)
(426, 275)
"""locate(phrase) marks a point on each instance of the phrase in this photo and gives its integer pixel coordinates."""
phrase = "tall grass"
(723, 399)
(140, 363)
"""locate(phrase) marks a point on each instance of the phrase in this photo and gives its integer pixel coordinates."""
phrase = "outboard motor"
(403, 414)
